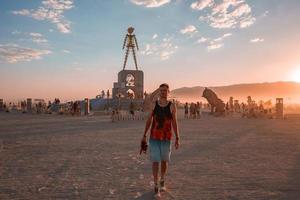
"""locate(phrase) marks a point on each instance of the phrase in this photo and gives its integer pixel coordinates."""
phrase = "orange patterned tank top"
(161, 128)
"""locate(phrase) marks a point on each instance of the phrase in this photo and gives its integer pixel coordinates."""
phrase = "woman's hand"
(177, 143)
(144, 145)
(144, 139)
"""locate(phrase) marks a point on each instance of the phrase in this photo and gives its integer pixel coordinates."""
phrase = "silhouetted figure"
(186, 111)
(130, 42)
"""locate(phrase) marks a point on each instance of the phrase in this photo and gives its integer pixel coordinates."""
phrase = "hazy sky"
(73, 49)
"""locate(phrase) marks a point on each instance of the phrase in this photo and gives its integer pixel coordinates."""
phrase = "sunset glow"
(296, 75)
(76, 51)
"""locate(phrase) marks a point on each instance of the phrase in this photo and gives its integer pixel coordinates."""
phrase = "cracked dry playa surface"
(63, 157)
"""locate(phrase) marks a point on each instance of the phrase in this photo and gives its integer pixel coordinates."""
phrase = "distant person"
(227, 108)
(23, 106)
(186, 111)
(75, 108)
(192, 111)
(78, 109)
(90, 107)
(201, 107)
(9, 107)
(261, 107)
(107, 94)
(198, 110)
(118, 115)
(243, 107)
(4, 106)
(131, 110)
(162, 119)
(113, 115)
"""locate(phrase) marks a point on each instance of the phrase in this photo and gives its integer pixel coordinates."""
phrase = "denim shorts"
(160, 150)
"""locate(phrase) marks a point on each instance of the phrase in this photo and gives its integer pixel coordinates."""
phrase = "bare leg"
(155, 168)
(125, 60)
(134, 57)
(164, 168)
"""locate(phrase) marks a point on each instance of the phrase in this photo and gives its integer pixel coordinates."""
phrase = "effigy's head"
(130, 30)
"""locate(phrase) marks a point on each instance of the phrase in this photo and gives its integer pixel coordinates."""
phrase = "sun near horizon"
(295, 75)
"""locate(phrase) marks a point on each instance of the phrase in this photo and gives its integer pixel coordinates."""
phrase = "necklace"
(163, 105)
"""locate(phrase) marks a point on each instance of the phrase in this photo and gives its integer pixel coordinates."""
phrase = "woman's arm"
(175, 124)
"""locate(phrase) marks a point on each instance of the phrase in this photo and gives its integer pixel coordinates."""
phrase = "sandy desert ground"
(64, 157)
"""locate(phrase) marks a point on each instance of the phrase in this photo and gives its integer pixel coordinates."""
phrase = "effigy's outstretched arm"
(137, 46)
(125, 39)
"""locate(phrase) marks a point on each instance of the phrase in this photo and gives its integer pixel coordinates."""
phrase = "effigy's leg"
(134, 57)
(126, 56)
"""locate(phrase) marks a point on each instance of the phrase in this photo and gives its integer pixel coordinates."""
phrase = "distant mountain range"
(290, 91)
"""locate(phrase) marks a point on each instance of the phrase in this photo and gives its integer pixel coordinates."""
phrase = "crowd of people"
(193, 110)
(37, 106)
(251, 109)
(134, 112)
